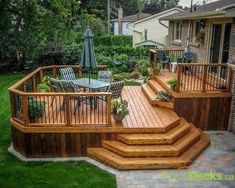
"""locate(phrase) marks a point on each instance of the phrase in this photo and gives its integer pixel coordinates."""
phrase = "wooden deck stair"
(175, 148)
(151, 90)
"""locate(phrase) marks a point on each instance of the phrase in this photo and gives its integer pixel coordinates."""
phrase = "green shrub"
(143, 64)
(117, 77)
(113, 40)
(36, 108)
(135, 74)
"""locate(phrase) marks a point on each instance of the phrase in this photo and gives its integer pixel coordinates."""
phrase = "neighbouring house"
(124, 25)
(208, 31)
(152, 31)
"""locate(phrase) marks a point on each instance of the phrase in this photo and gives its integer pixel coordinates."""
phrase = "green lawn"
(15, 173)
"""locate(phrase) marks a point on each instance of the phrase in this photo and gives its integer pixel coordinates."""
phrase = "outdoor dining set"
(69, 83)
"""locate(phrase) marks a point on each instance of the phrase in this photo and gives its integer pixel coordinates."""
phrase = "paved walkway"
(217, 162)
(214, 168)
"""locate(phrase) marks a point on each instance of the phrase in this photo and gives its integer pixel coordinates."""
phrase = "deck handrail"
(21, 95)
(203, 77)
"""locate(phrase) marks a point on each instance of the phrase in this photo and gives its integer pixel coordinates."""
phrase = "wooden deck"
(141, 113)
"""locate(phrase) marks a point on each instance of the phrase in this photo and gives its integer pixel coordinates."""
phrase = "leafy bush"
(117, 77)
(36, 108)
(113, 40)
(135, 74)
(143, 64)
(164, 96)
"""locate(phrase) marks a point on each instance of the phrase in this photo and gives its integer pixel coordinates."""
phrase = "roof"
(133, 17)
(208, 10)
(159, 14)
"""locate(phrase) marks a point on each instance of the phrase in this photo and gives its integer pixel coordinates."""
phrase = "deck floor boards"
(141, 113)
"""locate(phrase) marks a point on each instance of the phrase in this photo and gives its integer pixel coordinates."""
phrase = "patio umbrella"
(88, 60)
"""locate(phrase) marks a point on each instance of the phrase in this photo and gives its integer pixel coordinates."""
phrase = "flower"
(120, 107)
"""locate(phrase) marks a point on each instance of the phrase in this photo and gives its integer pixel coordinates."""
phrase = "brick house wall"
(201, 52)
(199, 49)
(232, 48)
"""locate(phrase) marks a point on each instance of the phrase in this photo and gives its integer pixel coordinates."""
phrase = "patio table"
(93, 85)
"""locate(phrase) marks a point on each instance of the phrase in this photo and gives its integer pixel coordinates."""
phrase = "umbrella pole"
(89, 76)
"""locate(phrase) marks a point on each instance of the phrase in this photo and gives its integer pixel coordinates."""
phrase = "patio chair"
(56, 87)
(67, 73)
(164, 59)
(116, 89)
(188, 57)
(105, 76)
(69, 87)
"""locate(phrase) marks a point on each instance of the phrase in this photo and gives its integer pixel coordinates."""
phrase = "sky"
(187, 3)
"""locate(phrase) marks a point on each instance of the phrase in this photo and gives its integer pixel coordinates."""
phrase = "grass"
(15, 173)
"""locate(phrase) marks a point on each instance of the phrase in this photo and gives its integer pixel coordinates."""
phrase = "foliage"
(95, 23)
(151, 74)
(45, 84)
(117, 77)
(26, 26)
(36, 108)
(18, 173)
(120, 107)
(113, 40)
(135, 74)
(59, 54)
(143, 64)
(156, 6)
(164, 96)
(172, 83)
(131, 83)
(43, 87)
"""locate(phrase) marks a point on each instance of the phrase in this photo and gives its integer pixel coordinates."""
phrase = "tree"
(156, 6)
(25, 25)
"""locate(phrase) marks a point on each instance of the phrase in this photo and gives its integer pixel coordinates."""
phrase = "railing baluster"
(205, 72)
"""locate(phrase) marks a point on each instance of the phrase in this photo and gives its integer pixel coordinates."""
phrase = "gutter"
(160, 21)
(127, 25)
(196, 16)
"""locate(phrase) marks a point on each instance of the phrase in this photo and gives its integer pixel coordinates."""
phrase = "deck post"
(205, 71)
(25, 110)
(54, 72)
(41, 74)
(230, 79)
(178, 78)
(34, 83)
(109, 110)
(68, 111)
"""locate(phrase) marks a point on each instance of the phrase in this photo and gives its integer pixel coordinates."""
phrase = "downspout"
(188, 36)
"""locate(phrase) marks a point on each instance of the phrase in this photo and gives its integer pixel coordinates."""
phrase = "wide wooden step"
(155, 86)
(151, 96)
(112, 159)
(154, 150)
(125, 163)
(165, 138)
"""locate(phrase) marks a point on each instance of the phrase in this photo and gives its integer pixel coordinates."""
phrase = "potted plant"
(36, 109)
(45, 85)
(119, 109)
(172, 83)
(164, 96)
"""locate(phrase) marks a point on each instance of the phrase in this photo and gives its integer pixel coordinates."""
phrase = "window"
(177, 30)
(195, 29)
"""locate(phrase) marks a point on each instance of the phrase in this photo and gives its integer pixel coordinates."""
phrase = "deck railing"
(34, 109)
(173, 54)
(201, 77)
